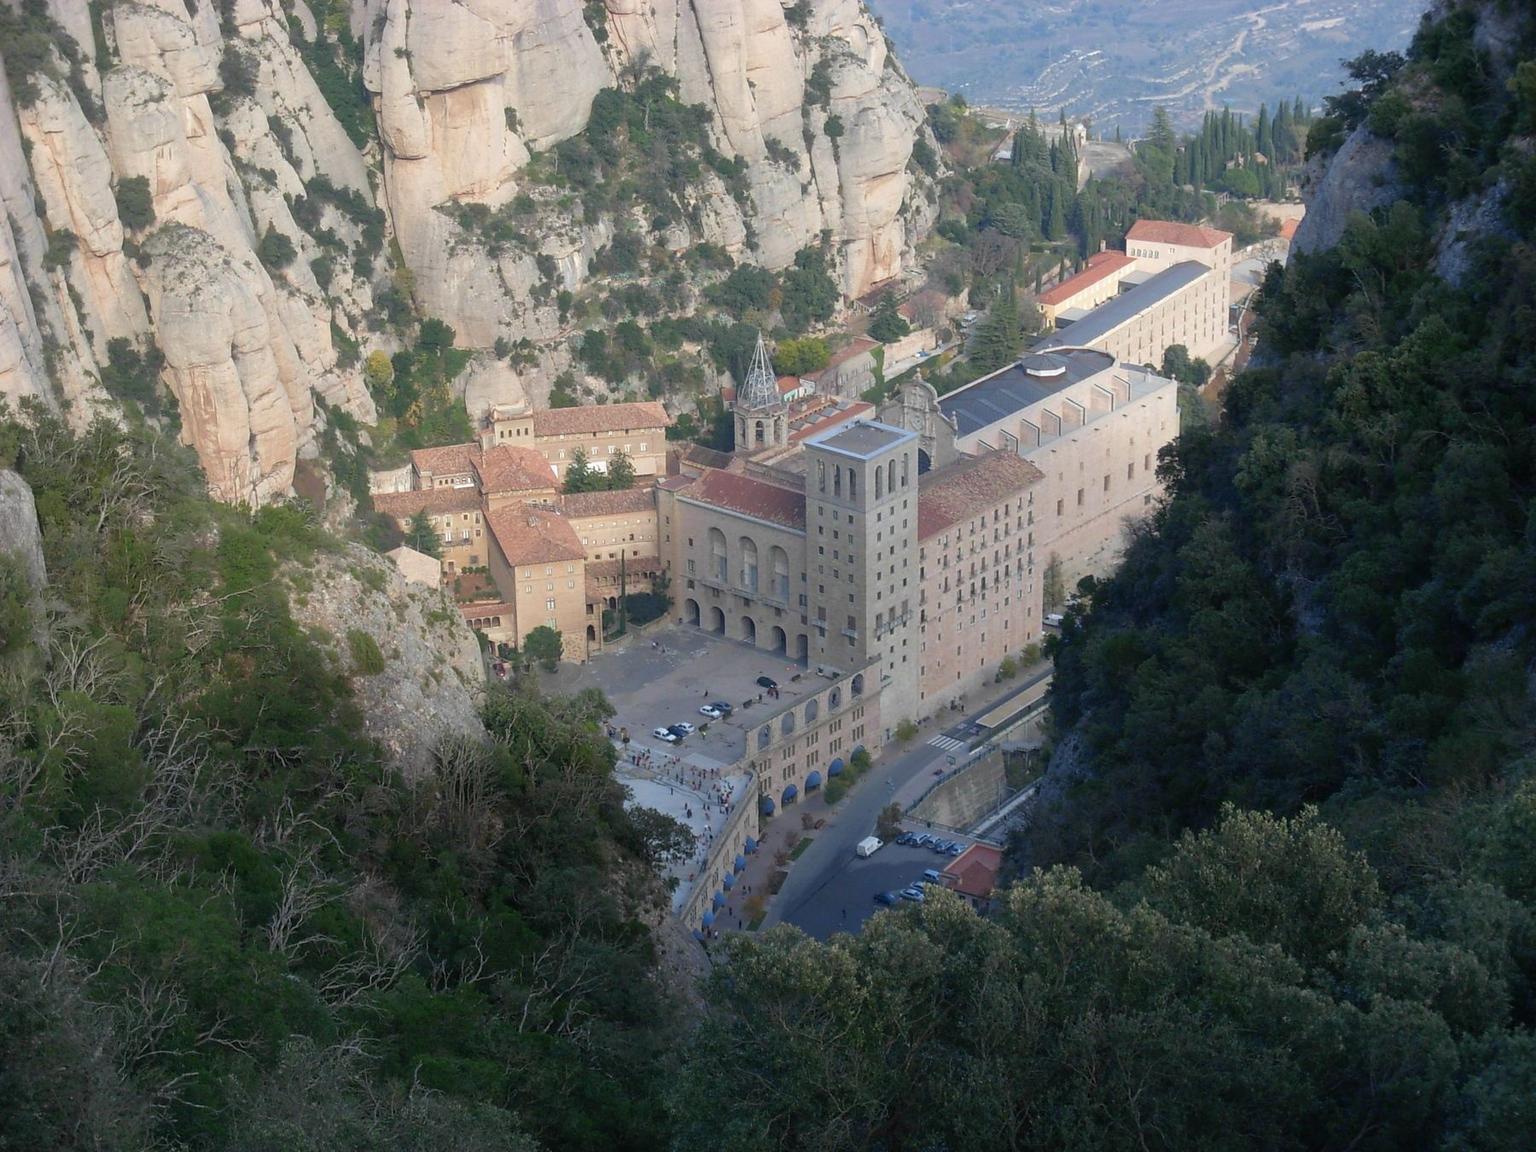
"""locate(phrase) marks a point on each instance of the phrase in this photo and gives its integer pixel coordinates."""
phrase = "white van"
(868, 846)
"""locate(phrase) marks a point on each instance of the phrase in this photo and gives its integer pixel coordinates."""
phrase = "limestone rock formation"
(1360, 177)
(19, 533)
(432, 677)
(464, 92)
(224, 112)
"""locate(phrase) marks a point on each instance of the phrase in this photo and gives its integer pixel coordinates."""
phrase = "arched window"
(717, 557)
(890, 475)
(858, 684)
(834, 699)
(787, 724)
(821, 475)
(837, 480)
(853, 485)
(904, 461)
(764, 735)
(878, 485)
(748, 564)
(758, 432)
(812, 710)
(779, 560)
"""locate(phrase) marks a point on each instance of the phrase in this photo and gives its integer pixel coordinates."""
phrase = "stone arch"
(858, 684)
(717, 620)
(591, 634)
(780, 641)
(834, 699)
(690, 611)
(787, 723)
(812, 710)
(749, 630)
(764, 737)
(924, 462)
(802, 648)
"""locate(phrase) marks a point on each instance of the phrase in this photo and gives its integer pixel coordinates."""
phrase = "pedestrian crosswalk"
(947, 743)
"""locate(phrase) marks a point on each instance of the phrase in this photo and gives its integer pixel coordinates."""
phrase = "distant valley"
(1114, 60)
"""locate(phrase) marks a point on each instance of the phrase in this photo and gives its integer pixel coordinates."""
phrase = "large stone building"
(601, 431)
(1172, 285)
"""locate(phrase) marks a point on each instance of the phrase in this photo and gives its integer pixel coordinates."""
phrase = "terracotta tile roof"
(436, 501)
(515, 468)
(1101, 265)
(840, 414)
(974, 872)
(968, 488)
(856, 347)
(530, 535)
(702, 457)
(600, 418)
(737, 493)
(642, 566)
(487, 608)
(1167, 232)
(450, 460)
(676, 483)
(580, 504)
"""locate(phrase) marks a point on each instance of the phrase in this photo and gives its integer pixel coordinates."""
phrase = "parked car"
(708, 711)
(906, 838)
(912, 893)
(868, 847)
(686, 728)
(955, 850)
(666, 735)
(922, 840)
(767, 682)
(931, 875)
(886, 898)
(720, 707)
(677, 732)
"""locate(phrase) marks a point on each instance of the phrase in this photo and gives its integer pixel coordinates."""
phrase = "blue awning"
(719, 900)
(751, 845)
(729, 881)
(813, 781)
(857, 748)
(765, 805)
(790, 793)
(741, 864)
(835, 768)
(697, 935)
(708, 919)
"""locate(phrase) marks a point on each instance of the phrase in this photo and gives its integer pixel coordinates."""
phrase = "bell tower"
(762, 415)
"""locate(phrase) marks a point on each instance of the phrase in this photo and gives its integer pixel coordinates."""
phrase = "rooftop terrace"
(1014, 388)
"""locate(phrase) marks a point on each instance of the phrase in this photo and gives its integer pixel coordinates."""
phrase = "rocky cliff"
(414, 665)
(217, 196)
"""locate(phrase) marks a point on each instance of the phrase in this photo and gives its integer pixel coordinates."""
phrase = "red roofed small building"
(1098, 282)
(974, 875)
(602, 431)
(539, 564)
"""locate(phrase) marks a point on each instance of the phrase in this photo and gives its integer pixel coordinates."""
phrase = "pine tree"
(579, 476)
(621, 472)
(998, 340)
(1056, 221)
(423, 537)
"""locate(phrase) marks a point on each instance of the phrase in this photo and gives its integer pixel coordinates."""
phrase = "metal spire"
(762, 387)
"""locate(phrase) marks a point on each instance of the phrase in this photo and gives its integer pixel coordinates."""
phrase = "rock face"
(466, 91)
(222, 111)
(432, 677)
(19, 534)
(1360, 177)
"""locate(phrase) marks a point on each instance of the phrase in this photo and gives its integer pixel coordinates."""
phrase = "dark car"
(906, 838)
(886, 898)
(678, 730)
(767, 682)
(721, 707)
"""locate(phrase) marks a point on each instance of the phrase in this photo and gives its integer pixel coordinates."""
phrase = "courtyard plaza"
(702, 799)
(664, 676)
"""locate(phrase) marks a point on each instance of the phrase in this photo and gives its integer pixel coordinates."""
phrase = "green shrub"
(276, 251)
(135, 204)
(367, 660)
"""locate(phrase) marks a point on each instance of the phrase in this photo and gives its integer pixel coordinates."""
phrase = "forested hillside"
(1281, 891)
(224, 924)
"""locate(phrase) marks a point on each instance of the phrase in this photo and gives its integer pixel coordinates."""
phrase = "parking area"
(848, 898)
(665, 677)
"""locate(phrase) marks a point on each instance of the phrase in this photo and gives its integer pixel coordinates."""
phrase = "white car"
(710, 711)
(664, 736)
(688, 729)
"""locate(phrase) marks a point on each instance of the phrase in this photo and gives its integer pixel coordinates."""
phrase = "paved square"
(664, 677)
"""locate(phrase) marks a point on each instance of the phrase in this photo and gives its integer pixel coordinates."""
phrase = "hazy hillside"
(1114, 59)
